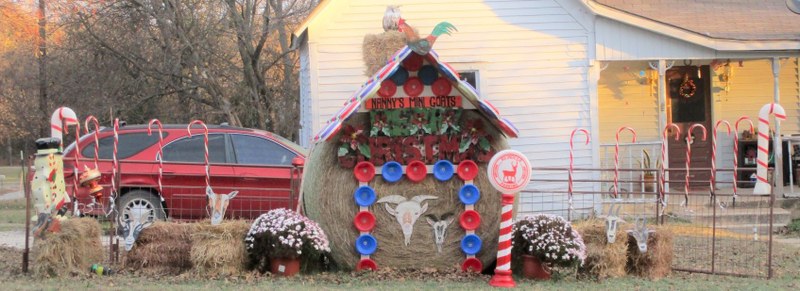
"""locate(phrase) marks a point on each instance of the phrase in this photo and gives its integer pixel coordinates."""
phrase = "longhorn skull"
(218, 203)
(440, 227)
(407, 211)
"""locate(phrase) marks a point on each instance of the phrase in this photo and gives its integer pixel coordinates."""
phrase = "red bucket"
(470, 220)
(472, 265)
(369, 264)
(416, 171)
(364, 221)
(364, 171)
(467, 170)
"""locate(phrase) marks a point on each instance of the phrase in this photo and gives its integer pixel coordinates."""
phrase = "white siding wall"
(628, 99)
(532, 56)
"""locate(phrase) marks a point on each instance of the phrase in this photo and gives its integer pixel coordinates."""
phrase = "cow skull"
(407, 211)
(130, 229)
(218, 203)
(640, 233)
(440, 227)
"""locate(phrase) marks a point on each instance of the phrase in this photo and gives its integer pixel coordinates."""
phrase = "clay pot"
(533, 268)
(649, 182)
(285, 266)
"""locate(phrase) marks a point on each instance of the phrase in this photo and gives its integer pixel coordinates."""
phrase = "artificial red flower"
(353, 136)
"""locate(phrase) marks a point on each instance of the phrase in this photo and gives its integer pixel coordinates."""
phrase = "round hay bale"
(603, 260)
(162, 248)
(218, 250)
(328, 199)
(72, 250)
(656, 263)
(377, 48)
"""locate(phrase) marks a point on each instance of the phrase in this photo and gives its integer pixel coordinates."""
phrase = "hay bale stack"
(328, 199)
(656, 263)
(219, 249)
(377, 48)
(72, 250)
(603, 260)
(162, 248)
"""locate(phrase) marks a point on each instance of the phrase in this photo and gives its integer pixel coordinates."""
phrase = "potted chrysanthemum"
(283, 237)
(545, 241)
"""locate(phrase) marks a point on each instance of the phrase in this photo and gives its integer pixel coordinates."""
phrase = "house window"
(470, 77)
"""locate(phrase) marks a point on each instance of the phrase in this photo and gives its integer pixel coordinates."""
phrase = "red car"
(256, 163)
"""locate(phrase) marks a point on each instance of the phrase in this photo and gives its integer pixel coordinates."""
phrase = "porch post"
(778, 144)
(662, 94)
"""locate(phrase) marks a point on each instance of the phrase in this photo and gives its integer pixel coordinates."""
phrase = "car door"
(184, 174)
(264, 170)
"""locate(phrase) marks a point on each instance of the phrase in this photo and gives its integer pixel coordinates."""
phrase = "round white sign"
(509, 171)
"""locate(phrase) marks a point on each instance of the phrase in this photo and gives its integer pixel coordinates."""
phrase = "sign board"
(413, 102)
(509, 171)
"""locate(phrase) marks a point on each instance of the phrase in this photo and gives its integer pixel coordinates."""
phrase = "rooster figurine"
(419, 45)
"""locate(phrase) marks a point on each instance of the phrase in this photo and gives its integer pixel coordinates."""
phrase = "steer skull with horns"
(407, 211)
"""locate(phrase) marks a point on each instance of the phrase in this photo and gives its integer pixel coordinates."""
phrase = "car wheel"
(142, 204)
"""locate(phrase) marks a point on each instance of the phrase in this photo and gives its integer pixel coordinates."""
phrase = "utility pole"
(42, 64)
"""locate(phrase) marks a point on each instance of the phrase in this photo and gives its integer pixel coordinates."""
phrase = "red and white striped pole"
(689, 142)
(762, 185)
(509, 172)
(571, 164)
(96, 135)
(663, 180)
(736, 152)
(616, 158)
(205, 146)
(160, 147)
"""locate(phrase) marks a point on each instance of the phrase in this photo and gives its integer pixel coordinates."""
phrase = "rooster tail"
(443, 28)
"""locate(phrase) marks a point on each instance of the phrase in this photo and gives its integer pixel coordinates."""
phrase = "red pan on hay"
(388, 88)
(413, 87)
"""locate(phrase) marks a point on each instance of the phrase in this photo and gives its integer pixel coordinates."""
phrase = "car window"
(129, 144)
(254, 150)
(191, 149)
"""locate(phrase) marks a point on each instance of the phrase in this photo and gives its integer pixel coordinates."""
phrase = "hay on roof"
(72, 250)
(378, 48)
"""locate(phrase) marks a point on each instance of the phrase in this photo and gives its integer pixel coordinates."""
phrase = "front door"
(689, 93)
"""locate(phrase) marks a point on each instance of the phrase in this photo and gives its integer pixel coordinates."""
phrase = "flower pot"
(285, 266)
(649, 182)
(533, 268)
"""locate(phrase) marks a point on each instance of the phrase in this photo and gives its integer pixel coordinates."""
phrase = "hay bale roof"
(370, 88)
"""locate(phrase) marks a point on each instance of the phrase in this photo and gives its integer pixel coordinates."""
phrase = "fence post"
(26, 190)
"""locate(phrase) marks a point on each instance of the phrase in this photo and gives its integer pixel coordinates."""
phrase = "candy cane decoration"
(736, 151)
(160, 147)
(616, 158)
(571, 162)
(205, 145)
(689, 141)
(662, 171)
(713, 180)
(96, 135)
(762, 185)
(77, 167)
(61, 118)
(114, 165)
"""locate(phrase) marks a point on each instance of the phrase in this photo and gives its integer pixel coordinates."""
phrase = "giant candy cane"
(571, 163)
(689, 142)
(205, 146)
(662, 172)
(62, 118)
(762, 185)
(736, 152)
(616, 158)
(114, 166)
(96, 135)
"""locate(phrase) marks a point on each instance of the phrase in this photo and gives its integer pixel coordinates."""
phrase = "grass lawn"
(12, 215)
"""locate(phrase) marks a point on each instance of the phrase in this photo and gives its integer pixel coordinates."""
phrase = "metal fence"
(713, 233)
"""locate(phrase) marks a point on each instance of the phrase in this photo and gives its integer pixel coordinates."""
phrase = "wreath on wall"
(687, 88)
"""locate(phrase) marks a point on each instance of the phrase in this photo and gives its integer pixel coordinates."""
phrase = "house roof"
(745, 20)
(370, 89)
